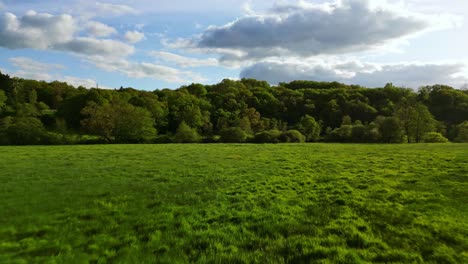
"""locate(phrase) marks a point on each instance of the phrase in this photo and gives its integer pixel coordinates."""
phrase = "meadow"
(245, 203)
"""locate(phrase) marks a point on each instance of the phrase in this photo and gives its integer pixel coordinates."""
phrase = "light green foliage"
(309, 128)
(435, 137)
(284, 203)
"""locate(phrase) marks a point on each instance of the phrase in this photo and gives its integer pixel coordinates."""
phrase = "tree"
(3, 99)
(186, 134)
(390, 129)
(416, 120)
(25, 131)
(462, 132)
(119, 122)
(309, 128)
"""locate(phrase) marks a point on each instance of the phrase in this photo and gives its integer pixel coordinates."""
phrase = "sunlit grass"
(324, 203)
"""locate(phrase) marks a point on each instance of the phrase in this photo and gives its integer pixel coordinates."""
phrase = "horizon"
(145, 46)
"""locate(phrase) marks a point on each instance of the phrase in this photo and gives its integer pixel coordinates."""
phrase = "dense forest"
(248, 110)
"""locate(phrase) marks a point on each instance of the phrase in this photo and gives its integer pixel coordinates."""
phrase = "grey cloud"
(406, 75)
(91, 46)
(306, 30)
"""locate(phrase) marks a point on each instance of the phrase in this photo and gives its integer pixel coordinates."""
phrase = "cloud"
(34, 30)
(307, 29)
(91, 46)
(411, 75)
(134, 36)
(182, 61)
(31, 69)
(48, 32)
(98, 29)
(113, 9)
(31, 65)
(145, 70)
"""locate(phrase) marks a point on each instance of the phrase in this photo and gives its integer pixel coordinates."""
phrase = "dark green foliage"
(251, 105)
(390, 130)
(461, 132)
(119, 122)
(233, 135)
(23, 131)
(186, 134)
(269, 136)
(292, 136)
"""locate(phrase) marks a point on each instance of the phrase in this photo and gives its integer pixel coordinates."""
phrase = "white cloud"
(411, 75)
(98, 29)
(46, 31)
(31, 69)
(31, 65)
(134, 36)
(182, 61)
(145, 70)
(113, 9)
(34, 30)
(308, 29)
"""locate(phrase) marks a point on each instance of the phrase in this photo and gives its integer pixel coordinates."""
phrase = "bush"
(163, 139)
(25, 131)
(435, 137)
(186, 134)
(462, 132)
(341, 134)
(233, 135)
(292, 136)
(269, 136)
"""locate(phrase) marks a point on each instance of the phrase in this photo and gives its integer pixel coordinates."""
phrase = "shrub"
(186, 134)
(269, 136)
(435, 137)
(233, 135)
(292, 136)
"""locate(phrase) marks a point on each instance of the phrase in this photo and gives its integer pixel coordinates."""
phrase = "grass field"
(304, 203)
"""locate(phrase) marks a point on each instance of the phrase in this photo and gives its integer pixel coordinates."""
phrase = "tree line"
(247, 110)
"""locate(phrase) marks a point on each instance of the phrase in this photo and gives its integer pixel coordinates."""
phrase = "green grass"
(304, 203)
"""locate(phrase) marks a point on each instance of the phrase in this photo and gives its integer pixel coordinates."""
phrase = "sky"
(153, 44)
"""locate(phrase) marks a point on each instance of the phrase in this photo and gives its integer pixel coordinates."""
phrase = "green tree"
(186, 134)
(390, 129)
(3, 99)
(462, 132)
(309, 128)
(119, 122)
(25, 131)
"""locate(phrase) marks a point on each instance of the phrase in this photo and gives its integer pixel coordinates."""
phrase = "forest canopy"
(247, 110)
